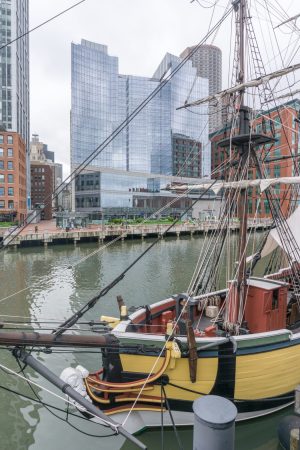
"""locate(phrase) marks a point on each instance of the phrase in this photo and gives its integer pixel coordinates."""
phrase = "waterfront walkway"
(46, 232)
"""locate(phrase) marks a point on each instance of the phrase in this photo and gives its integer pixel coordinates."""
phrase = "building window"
(267, 206)
(2, 204)
(10, 178)
(277, 122)
(277, 189)
(10, 165)
(276, 171)
(1, 152)
(2, 165)
(277, 152)
(10, 140)
(10, 191)
(1, 190)
(1, 178)
(1, 139)
(10, 204)
(10, 152)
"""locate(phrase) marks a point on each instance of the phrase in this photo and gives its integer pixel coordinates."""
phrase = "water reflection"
(54, 292)
(19, 417)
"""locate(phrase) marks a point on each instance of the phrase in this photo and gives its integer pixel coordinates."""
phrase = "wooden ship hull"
(153, 372)
(260, 378)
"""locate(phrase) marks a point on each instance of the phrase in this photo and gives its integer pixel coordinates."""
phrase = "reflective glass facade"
(186, 85)
(101, 100)
(131, 193)
(14, 71)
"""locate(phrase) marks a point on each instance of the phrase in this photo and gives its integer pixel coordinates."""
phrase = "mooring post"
(120, 302)
(214, 423)
(289, 427)
(295, 431)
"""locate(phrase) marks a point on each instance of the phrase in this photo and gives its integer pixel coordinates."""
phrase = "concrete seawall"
(49, 235)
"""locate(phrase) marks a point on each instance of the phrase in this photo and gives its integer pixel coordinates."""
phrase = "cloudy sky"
(139, 32)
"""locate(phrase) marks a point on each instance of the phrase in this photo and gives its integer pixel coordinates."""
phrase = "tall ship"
(240, 341)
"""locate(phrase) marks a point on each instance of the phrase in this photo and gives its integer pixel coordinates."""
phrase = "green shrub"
(116, 220)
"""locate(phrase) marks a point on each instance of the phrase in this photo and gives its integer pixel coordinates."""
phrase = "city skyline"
(151, 29)
(132, 59)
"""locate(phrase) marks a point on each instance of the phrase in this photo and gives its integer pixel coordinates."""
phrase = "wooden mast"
(238, 288)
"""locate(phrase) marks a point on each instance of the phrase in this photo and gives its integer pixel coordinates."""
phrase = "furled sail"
(263, 184)
(273, 240)
(251, 83)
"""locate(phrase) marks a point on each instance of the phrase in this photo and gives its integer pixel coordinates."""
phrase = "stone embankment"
(46, 233)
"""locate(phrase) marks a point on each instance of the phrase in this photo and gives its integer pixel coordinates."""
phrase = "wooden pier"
(100, 233)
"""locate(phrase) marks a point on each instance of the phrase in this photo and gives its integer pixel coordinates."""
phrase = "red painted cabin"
(266, 305)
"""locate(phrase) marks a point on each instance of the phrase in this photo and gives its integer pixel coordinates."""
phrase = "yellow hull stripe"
(268, 374)
(206, 375)
(260, 375)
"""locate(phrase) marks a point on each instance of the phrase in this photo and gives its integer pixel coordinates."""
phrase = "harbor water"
(51, 287)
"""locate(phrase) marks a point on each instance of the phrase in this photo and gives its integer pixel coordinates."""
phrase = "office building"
(14, 93)
(37, 149)
(12, 177)
(39, 153)
(50, 156)
(141, 156)
(41, 188)
(207, 59)
(186, 85)
(187, 156)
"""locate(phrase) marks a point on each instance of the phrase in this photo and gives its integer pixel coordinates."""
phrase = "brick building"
(12, 177)
(42, 188)
(282, 124)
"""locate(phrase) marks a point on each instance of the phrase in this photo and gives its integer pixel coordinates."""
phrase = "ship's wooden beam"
(50, 340)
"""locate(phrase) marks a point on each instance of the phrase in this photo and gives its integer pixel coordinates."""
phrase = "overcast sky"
(139, 32)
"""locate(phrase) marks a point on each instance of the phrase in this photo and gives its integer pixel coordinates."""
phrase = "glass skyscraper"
(207, 59)
(186, 85)
(14, 71)
(138, 162)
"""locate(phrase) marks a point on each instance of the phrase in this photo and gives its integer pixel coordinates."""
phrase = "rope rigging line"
(41, 24)
(157, 359)
(119, 129)
(212, 41)
(203, 263)
(70, 413)
(118, 238)
(91, 303)
(287, 239)
(102, 248)
(215, 256)
(277, 15)
(167, 341)
(38, 400)
(43, 388)
(277, 44)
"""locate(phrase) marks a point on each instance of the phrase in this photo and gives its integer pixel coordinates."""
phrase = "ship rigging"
(242, 340)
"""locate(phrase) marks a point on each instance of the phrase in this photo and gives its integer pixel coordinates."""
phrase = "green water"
(55, 290)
